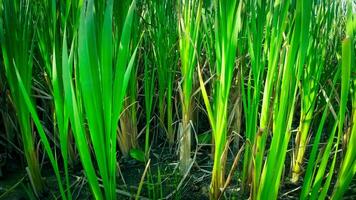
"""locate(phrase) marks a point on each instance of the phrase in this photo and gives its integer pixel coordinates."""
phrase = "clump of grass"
(313, 168)
(102, 84)
(291, 70)
(227, 26)
(251, 93)
(51, 49)
(127, 133)
(189, 43)
(347, 167)
(96, 71)
(310, 79)
(164, 35)
(21, 77)
(314, 184)
(277, 23)
(17, 42)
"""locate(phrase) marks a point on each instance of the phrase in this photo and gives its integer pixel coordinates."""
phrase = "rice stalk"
(284, 108)
(189, 43)
(277, 23)
(50, 47)
(347, 168)
(17, 50)
(251, 93)
(127, 136)
(310, 80)
(164, 35)
(149, 89)
(227, 27)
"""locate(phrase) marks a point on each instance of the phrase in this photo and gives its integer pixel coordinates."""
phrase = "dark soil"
(163, 179)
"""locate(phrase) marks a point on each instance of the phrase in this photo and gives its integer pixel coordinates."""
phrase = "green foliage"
(137, 155)
(164, 35)
(347, 167)
(310, 79)
(227, 27)
(277, 80)
(17, 43)
(189, 44)
(284, 107)
(103, 83)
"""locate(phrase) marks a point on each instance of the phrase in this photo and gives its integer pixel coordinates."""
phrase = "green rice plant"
(310, 80)
(95, 77)
(227, 27)
(189, 42)
(251, 93)
(50, 49)
(19, 74)
(348, 170)
(149, 79)
(42, 134)
(102, 84)
(348, 166)
(313, 168)
(154, 186)
(277, 23)
(17, 47)
(267, 70)
(291, 71)
(314, 184)
(128, 120)
(164, 35)
(76, 119)
(316, 172)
